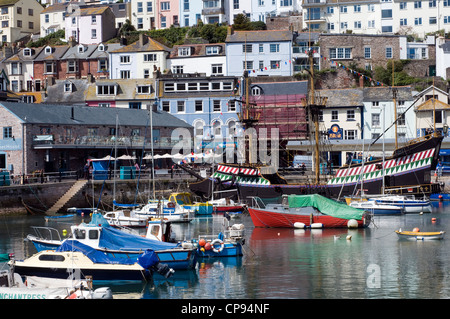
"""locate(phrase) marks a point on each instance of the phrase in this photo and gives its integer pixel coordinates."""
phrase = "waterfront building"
(138, 60)
(19, 19)
(261, 53)
(207, 59)
(60, 137)
(210, 104)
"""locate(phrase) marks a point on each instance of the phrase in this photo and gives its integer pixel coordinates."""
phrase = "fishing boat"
(86, 262)
(308, 211)
(418, 235)
(409, 204)
(116, 243)
(375, 208)
(12, 286)
(185, 200)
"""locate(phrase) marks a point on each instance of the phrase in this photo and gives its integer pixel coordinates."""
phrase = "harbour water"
(292, 263)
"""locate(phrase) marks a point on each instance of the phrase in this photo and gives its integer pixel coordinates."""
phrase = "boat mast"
(314, 105)
(394, 95)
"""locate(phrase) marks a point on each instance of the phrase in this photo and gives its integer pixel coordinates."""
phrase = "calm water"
(294, 264)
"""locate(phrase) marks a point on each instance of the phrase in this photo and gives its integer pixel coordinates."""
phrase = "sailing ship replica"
(407, 171)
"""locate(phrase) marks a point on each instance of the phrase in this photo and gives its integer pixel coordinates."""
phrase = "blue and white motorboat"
(116, 243)
(170, 211)
(375, 208)
(410, 204)
(86, 262)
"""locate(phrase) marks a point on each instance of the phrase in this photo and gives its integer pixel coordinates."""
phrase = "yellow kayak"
(418, 235)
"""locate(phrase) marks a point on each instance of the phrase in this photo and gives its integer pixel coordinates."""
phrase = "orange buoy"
(202, 242)
(433, 219)
(208, 246)
(416, 229)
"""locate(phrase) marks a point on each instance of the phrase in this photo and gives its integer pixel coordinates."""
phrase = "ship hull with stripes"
(408, 171)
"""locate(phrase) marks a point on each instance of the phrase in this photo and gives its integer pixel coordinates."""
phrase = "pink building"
(168, 13)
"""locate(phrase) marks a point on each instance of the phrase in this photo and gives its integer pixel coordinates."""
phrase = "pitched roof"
(198, 50)
(7, 2)
(433, 104)
(260, 36)
(342, 97)
(147, 45)
(126, 90)
(73, 53)
(404, 93)
(57, 7)
(84, 115)
(57, 53)
(93, 10)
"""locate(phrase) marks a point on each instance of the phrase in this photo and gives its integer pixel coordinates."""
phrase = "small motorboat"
(226, 205)
(165, 209)
(375, 208)
(409, 203)
(416, 234)
(58, 218)
(84, 261)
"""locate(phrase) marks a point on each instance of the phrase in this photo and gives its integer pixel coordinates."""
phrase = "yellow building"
(18, 19)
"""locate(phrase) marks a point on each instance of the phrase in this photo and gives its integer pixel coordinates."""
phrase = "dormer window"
(48, 50)
(184, 51)
(107, 89)
(27, 52)
(212, 50)
(143, 89)
(81, 49)
(101, 47)
(68, 87)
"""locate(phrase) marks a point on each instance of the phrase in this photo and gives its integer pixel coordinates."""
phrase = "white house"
(20, 69)
(260, 53)
(442, 58)
(143, 14)
(207, 59)
(53, 18)
(138, 60)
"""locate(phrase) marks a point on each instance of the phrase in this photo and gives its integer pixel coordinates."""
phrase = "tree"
(242, 22)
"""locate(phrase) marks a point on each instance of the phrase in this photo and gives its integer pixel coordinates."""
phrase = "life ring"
(217, 241)
(171, 205)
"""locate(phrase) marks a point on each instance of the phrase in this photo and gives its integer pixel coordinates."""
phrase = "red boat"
(309, 211)
(223, 205)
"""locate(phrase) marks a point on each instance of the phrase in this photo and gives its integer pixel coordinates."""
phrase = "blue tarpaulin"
(100, 171)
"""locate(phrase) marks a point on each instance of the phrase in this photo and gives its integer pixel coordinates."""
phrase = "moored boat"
(309, 211)
(375, 208)
(86, 262)
(409, 204)
(125, 218)
(418, 235)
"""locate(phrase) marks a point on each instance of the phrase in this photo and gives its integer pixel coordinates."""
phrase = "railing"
(129, 141)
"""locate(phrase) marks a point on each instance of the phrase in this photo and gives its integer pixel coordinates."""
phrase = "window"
(143, 89)
(388, 53)
(216, 106)
(7, 132)
(68, 87)
(330, 26)
(231, 106)
(149, 6)
(432, 4)
(371, 24)
(335, 115)
(350, 115)
(30, 25)
(417, 21)
(198, 106)
(177, 69)
(166, 106)
(94, 34)
(386, 14)
(106, 89)
(125, 74)
(27, 52)
(247, 65)
(140, 23)
(375, 119)
(151, 57)
(344, 25)
(212, 50)
(105, 105)
(432, 20)
(247, 48)
(165, 6)
(217, 69)
(184, 51)
(163, 21)
(350, 134)
(30, 12)
(5, 24)
(367, 53)
(403, 5)
(275, 64)
(417, 4)
(102, 65)
(343, 9)
(94, 19)
(198, 128)
(330, 10)
(47, 18)
(403, 21)
(146, 73)
(371, 8)
(125, 59)
(402, 119)
(180, 107)
(19, 10)
(48, 67)
(447, 19)
(357, 8)
(16, 68)
(139, 7)
(236, 4)
(274, 48)
(340, 53)
(72, 66)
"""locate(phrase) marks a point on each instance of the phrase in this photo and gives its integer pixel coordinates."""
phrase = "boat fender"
(170, 205)
(316, 225)
(214, 247)
(416, 229)
(352, 223)
(299, 225)
(202, 242)
(208, 246)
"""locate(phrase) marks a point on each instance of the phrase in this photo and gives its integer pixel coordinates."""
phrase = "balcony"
(98, 142)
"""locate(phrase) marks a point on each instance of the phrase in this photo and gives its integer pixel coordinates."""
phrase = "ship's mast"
(314, 105)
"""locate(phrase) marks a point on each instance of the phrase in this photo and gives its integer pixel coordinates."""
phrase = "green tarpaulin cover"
(326, 206)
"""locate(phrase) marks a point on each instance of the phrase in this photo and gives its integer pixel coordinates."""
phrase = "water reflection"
(294, 263)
